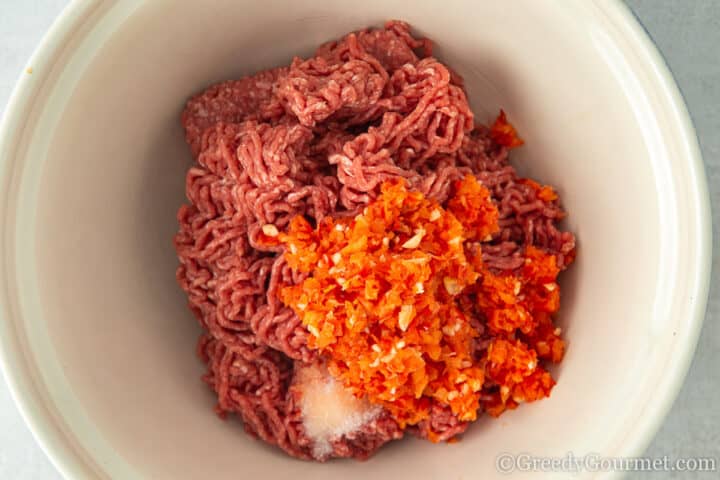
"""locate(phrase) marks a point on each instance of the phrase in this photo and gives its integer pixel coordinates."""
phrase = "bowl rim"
(59, 446)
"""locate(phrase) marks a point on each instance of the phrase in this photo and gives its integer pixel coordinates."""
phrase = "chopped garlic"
(405, 317)
(389, 356)
(270, 230)
(414, 241)
(452, 286)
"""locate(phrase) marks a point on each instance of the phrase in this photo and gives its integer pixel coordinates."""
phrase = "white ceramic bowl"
(98, 345)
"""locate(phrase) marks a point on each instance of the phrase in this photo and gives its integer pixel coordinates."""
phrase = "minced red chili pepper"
(383, 304)
(503, 133)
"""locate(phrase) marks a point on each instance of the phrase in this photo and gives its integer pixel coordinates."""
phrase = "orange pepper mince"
(389, 298)
(503, 133)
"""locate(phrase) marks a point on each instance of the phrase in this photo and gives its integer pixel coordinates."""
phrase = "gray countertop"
(687, 33)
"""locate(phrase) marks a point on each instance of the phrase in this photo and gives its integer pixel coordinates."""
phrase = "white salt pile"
(329, 411)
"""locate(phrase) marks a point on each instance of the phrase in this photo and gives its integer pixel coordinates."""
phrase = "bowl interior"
(110, 332)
